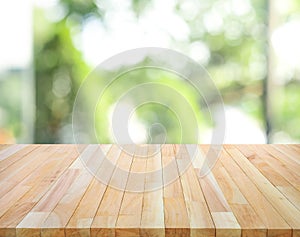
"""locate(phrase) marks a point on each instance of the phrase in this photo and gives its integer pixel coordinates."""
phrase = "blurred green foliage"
(237, 63)
(59, 69)
(162, 88)
(56, 58)
(288, 113)
(12, 105)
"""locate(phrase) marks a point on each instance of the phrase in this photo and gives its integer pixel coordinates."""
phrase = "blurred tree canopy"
(59, 69)
(237, 62)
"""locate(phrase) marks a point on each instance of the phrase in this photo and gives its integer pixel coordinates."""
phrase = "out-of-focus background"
(251, 48)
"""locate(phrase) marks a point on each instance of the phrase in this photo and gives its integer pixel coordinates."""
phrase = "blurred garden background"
(250, 48)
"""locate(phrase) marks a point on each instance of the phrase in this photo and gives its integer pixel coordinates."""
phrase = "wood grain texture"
(129, 217)
(149, 190)
(175, 211)
(201, 223)
(276, 172)
(8, 150)
(82, 218)
(225, 221)
(104, 221)
(284, 208)
(43, 180)
(251, 224)
(152, 222)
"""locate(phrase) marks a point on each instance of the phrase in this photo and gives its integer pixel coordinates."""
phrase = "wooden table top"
(46, 190)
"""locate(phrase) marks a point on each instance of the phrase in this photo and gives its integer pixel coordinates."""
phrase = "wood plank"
(152, 221)
(201, 223)
(59, 217)
(251, 224)
(129, 217)
(267, 213)
(278, 165)
(4, 146)
(8, 150)
(290, 164)
(296, 148)
(81, 221)
(15, 176)
(82, 218)
(35, 219)
(260, 161)
(18, 176)
(7, 200)
(225, 222)
(275, 172)
(277, 199)
(293, 155)
(47, 176)
(32, 222)
(15, 156)
(24, 166)
(9, 181)
(104, 222)
(175, 211)
(213, 193)
(47, 190)
(197, 157)
(292, 195)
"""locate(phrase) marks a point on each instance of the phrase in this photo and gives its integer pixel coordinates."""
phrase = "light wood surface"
(154, 190)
